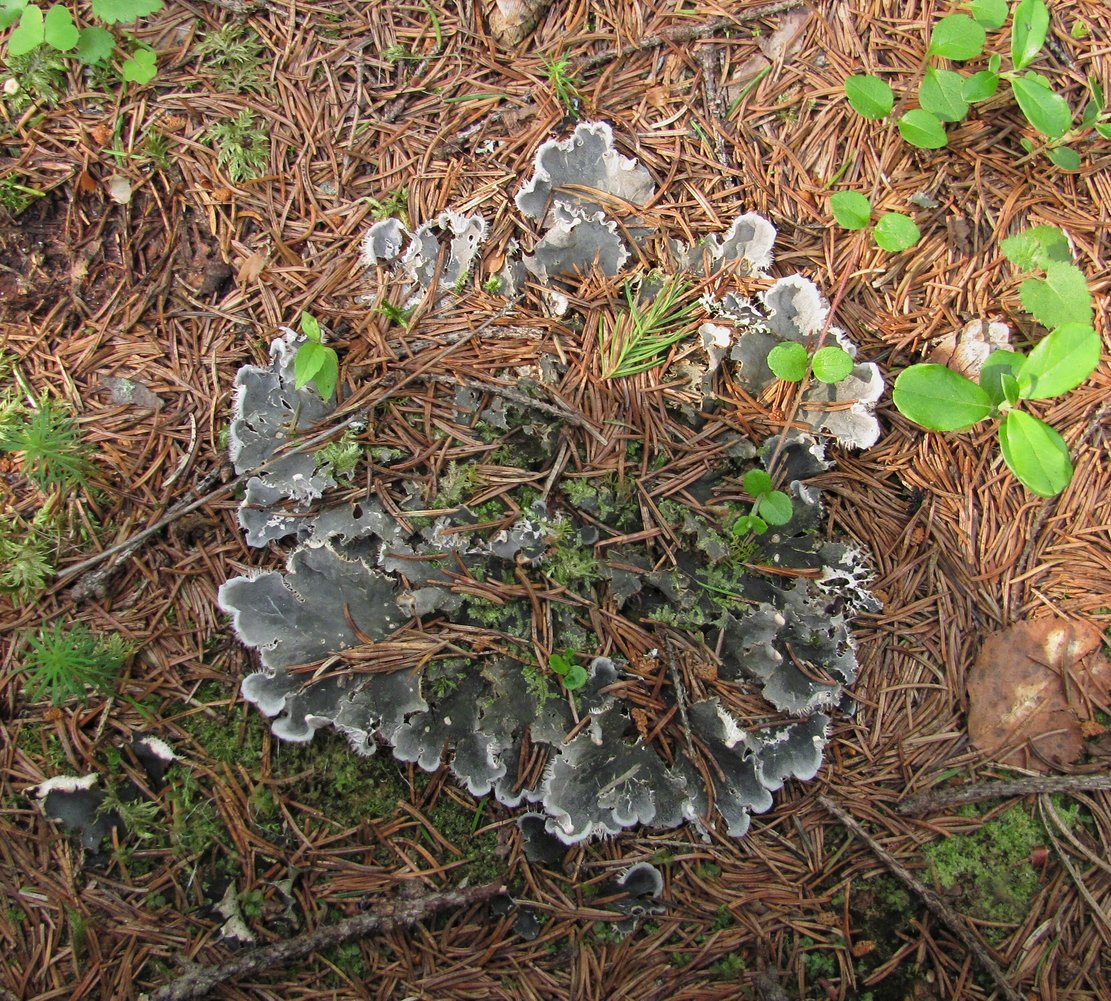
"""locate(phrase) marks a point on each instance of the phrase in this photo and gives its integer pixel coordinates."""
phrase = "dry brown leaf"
(967, 350)
(1030, 688)
(511, 20)
(787, 39)
(251, 268)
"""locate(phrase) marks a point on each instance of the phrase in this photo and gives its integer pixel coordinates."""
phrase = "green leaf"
(310, 327)
(939, 399)
(831, 364)
(575, 678)
(1035, 453)
(756, 482)
(1028, 31)
(11, 11)
(59, 31)
(124, 11)
(1011, 391)
(1104, 129)
(995, 61)
(998, 365)
(1060, 361)
(921, 129)
(561, 663)
(980, 86)
(95, 45)
(895, 232)
(28, 34)
(869, 96)
(1096, 91)
(757, 525)
(1047, 111)
(851, 209)
(1063, 296)
(1064, 157)
(957, 37)
(307, 362)
(1037, 247)
(788, 361)
(326, 378)
(775, 507)
(941, 94)
(140, 68)
(990, 13)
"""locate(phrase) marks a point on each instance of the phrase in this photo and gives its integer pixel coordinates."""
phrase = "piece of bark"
(511, 20)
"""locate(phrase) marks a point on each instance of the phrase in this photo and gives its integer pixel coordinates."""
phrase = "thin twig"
(198, 982)
(928, 802)
(936, 906)
(689, 33)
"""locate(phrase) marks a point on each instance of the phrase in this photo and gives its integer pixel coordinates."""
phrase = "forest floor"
(145, 258)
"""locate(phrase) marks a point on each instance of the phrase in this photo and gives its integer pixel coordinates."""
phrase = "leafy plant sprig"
(893, 230)
(571, 676)
(60, 662)
(565, 85)
(644, 332)
(946, 95)
(940, 399)
(93, 45)
(50, 452)
(791, 362)
(769, 506)
(315, 362)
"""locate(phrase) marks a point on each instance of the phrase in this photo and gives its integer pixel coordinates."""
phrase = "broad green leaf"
(941, 94)
(980, 86)
(851, 209)
(995, 61)
(575, 678)
(140, 68)
(307, 362)
(756, 482)
(28, 34)
(1062, 297)
(895, 232)
(1064, 157)
(921, 129)
(788, 361)
(59, 31)
(310, 327)
(990, 13)
(124, 11)
(743, 525)
(1104, 129)
(95, 45)
(1037, 247)
(1035, 453)
(869, 96)
(939, 399)
(831, 364)
(1060, 361)
(1028, 31)
(1047, 111)
(1012, 392)
(998, 365)
(326, 378)
(1089, 115)
(757, 525)
(957, 37)
(775, 507)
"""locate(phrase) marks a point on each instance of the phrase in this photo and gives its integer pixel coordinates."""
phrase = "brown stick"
(689, 33)
(936, 906)
(198, 982)
(927, 802)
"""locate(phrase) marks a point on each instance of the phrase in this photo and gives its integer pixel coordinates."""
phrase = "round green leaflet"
(941, 94)
(939, 399)
(921, 129)
(957, 37)
(788, 361)
(869, 96)
(851, 209)
(831, 364)
(59, 31)
(1035, 453)
(1047, 111)
(896, 232)
(1060, 361)
(775, 507)
(1028, 31)
(756, 482)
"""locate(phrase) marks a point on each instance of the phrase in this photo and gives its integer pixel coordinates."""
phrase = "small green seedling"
(645, 331)
(571, 675)
(92, 46)
(893, 230)
(790, 361)
(946, 95)
(397, 315)
(940, 399)
(50, 452)
(242, 147)
(565, 86)
(314, 361)
(769, 506)
(61, 662)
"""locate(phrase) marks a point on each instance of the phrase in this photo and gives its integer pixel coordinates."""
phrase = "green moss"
(729, 967)
(989, 869)
(457, 823)
(573, 566)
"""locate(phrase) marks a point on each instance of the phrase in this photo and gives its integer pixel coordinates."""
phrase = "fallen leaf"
(251, 268)
(512, 20)
(130, 393)
(100, 134)
(119, 189)
(967, 350)
(1031, 687)
(85, 183)
(787, 39)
